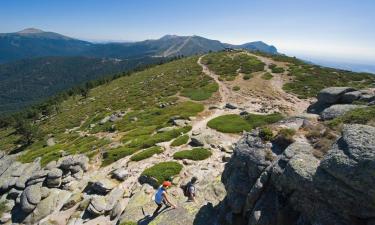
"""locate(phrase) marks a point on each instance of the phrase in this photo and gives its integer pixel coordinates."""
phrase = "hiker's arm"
(169, 202)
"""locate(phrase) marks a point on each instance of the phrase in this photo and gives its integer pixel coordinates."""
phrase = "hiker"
(189, 189)
(161, 197)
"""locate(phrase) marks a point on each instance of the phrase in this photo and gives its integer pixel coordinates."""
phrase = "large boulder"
(52, 203)
(66, 163)
(102, 186)
(299, 188)
(54, 178)
(243, 169)
(30, 197)
(337, 110)
(351, 164)
(332, 95)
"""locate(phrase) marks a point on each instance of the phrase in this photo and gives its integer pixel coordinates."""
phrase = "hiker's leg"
(157, 209)
(166, 204)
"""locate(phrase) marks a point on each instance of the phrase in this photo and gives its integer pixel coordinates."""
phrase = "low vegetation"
(148, 98)
(275, 69)
(163, 171)
(236, 88)
(234, 123)
(266, 134)
(284, 137)
(181, 140)
(308, 80)
(147, 153)
(195, 154)
(247, 77)
(358, 116)
(3, 207)
(228, 65)
(267, 76)
(229, 124)
(321, 138)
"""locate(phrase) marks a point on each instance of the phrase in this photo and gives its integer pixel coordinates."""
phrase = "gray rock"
(51, 141)
(230, 106)
(165, 129)
(181, 122)
(104, 120)
(350, 97)
(37, 177)
(120, 174)
(116, 211)
(102, 186)
(75, 169)
(197, 140)
(30, 197)
(367, 97)
(97, 205)
(332, 95)
(332, 191)
(54, 173)
(337, 110)
(73, 160)
(352, 163)
(52, 203)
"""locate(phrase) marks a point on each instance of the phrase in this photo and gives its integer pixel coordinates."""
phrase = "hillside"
(253, 117)
(29, 81)
(37, 43)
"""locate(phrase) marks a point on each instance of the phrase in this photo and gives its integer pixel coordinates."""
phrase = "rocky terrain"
(312, 165)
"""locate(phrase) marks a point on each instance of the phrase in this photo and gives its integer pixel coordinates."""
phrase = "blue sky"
(335, 29)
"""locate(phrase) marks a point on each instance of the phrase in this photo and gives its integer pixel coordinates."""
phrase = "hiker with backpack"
(161, 197)
(190, 190)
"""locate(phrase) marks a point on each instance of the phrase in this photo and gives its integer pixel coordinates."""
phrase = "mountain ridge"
(33, 42)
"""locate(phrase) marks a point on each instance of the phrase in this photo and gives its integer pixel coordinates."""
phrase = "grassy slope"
(227, 65)
(309, 79)
(140, 94)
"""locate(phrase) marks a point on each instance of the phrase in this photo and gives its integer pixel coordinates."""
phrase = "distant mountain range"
(33, 42)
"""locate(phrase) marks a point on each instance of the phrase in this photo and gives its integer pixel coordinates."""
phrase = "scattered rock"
(197, 140)
(120, 174)
(350, 97)
(337, 110)
(102, 186)
(332, 95)
(51, 141)
(230, 106)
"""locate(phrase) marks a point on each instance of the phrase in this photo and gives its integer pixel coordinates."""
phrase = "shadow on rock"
(18, 216)
(207, 214)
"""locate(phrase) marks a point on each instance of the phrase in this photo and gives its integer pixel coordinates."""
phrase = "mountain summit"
(30, 31)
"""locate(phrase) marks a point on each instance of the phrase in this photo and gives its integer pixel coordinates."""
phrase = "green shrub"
(256, 120)
(229, 124)
(233, 123)
(113, 155)
(200, 94)
(195, 154)
(163, 171)
(236, 88)
(183, 139)
(276, 69)
(266, 134)
(284, 137)
(147, 153)
(359, 116)
(247, 76)
(267, 76)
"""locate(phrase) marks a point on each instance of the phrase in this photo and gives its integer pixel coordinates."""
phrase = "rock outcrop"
(297, 188)
(336, 101)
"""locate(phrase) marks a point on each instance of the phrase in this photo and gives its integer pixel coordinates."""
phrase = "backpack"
(186, 188)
